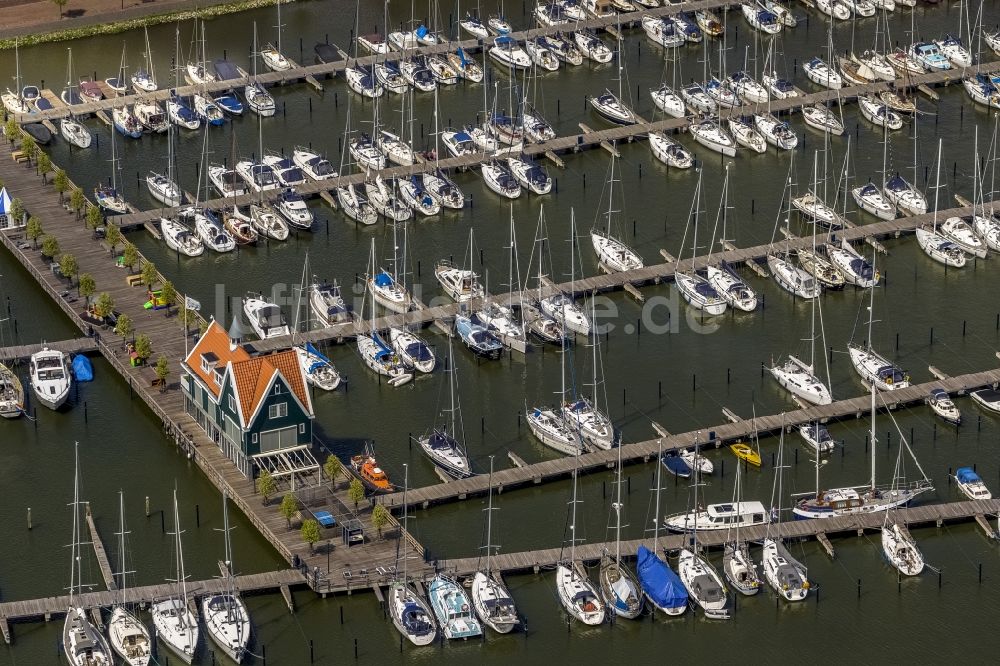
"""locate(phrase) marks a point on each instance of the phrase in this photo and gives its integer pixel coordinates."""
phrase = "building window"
(277, 411)
(232, 405)
(302, 428)
(205, 366)
(253, 438)
(277, 389)
(217, 377)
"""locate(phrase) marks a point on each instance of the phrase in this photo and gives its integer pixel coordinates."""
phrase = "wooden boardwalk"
(820, 528)
(165, 332)
(651, 274)
(725, 433)
(74, 346)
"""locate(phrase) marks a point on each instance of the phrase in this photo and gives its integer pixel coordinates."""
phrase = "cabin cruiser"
(327, 304)
(460, 284)
(313, 165)
(817, 437)
(725, 516)
(50, 377)
(265, 318)
(505, 51)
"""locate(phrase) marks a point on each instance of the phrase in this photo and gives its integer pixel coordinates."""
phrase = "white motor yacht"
(715, 517)
(50, 377)
(959, 231)
(265, 318)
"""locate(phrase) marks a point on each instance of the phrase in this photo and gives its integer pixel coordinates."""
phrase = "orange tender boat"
(371, 474)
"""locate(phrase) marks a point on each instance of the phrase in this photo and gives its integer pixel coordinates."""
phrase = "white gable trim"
(267, 392)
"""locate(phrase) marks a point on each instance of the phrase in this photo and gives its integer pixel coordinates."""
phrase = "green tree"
(86, 287)
(29, 147)
(34, 230)
(310, 533)
(356, 492)
(104, 305)
(61, 183)
(168, 294)
(380, 518)
(60, 4)
(149, 274)
(50, 246)
(266, 485)
(16, 212)
(143, 346)
(77, 200)
(130, 255)
(289, 505)
(68, 266)
(162, 371)
(94, 217)
(333, 467)
(44, 165)
(12, 130)
(124, 327)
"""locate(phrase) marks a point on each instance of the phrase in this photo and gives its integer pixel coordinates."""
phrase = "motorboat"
(164, 189)
(942, 405)
(784, 574)
(530, 174)
(541, 55)
(366, 152)
(90, 91)
(584, 418)
(668, 101)
(613, 253)
(226, 181)
(50, 377)
(452, 608)
(855, 268)
(743, 131)
(987, 398)
(826, 274)
(731, 287)
(939, 248)
(411, 350)
(374, 43)
(676, 465)
(905, 196)
(285, 170)
(507, 52)
(151, 115)
(258, 176)
(229, 103)
(746, 453)
(355, 205)
(410, 614)
(870, 199)
(265, 318)
(971, 485)
(11, 394)
(179, 238)
(716, 517)
(760, 18)
(822, 74)
(499, 178)
(461, 285)
(776, 132)
(125, 122)
(877, 369)
(661, 30)
(817, 437)
(710, 134)
(551, 429)
(493, 603)
(180, 114)
(815, 210)
(591, 46)
(443, 189)
(209, 230)
(459, 144)
(660, 584)
(578, 595)
(721, 94)
(327, 305)
(313, 165)
(748, 89)
(477, 338)
(412, 192)
(878, 113)
(293, 208)
(361, 80)
(697, 99)
(703, 583)
(959, 231)
(792, 278)
(799, 379)
(670, 152)
(565, 311)
(929, 56)
(952, 48)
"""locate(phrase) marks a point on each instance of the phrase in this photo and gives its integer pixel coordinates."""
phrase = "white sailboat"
(723, 278)
(82, 643)
(619, 587)
(442, 445)
(410, 614)
(583, 414)
(175, 624)
(376, 354)
(854, 267)
(576, 592)
(387, 288)
(737, 563)
(874, 368)
(613, 255)
(695, 289)
(128, 634)
(493, 603)
(787, 576)
(225, 614)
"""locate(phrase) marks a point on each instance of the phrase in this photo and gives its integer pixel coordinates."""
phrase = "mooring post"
(29, 518)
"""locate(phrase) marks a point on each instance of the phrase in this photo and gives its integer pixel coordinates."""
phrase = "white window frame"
(277, 411)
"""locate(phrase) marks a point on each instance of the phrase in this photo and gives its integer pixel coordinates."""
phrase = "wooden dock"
(819, 528)
(107, 573)
(724, 433)
(74, 346)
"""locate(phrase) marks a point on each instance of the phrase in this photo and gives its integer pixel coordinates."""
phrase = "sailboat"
(82, 643)
(898, 545)
(13, 100)
(874, 368)
(271, 54)
(386, 288)
(583, 415)
(560, 306)
(441, 444)
(376, 354)
(408, 609)
(129, 636)
(11, 394)
(619, 587)
(460, 284)
(493, 603)
(164, 187)
(499, 318)
(849, 262)
(576, 592)
(71, 129)
(196, 72)
(174, 622)
(107, 196)
(786, 575)
(737, 563)
(695, 289)
(723, 278)
(701, 580)
(144, 78)
(258, 99)
(870, 498)
(613, 255)
(225, 614)
(550, 426)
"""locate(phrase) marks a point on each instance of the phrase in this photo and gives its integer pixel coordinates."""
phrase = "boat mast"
(452, 430)
(278, 45)
(489, 522)
(149, 59)
(406, 516)
(618, 512)
(74, 561)
(182, 578)
(121, 542)
(871, 314)
(937, 185)
(656, 511)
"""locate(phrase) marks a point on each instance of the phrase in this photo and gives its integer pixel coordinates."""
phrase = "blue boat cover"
(422, 31)
(82, 370)
(966, 475)
(504, 40)
(658, 580)
(383, 279)
(461, 56)
(462, 137)
(315, 352)
(383, 351)
(676, 465)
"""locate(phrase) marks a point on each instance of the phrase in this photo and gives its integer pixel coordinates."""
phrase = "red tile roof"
(214, 340)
